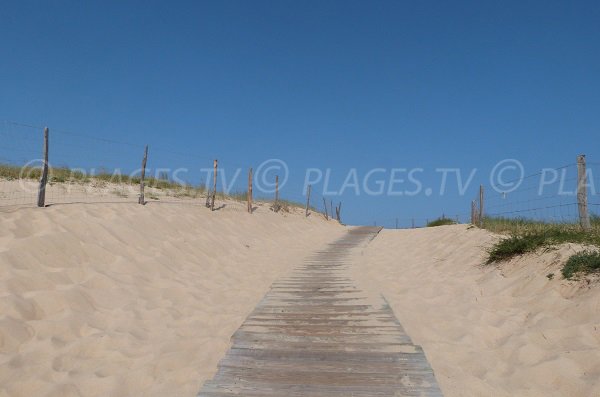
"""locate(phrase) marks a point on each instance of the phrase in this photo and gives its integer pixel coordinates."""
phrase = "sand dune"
(488, 331)
(125, 300)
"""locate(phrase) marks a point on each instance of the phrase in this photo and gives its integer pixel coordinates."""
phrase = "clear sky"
(318, 84)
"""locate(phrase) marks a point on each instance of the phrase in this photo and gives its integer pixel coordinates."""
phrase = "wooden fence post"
(413, 223)
(325, 206)
(276, 188)
(473, 212)
(308, 199)
(331, 208)
(250, 191)
(141, 200)
(44, 178)
(338, 211)
(214, 192)
(481, 213)
(582, 202)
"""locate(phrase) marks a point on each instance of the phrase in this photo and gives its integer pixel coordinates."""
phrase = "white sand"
(24, 192)
(489, 332)
(125, 300)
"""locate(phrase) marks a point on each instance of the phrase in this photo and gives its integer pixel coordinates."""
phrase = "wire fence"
(86, 168)
(594, 181)
(565, 195)
(538, 199)
(549, 196)
(415, 223)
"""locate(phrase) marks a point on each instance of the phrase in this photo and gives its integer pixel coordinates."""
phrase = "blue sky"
(325, 84)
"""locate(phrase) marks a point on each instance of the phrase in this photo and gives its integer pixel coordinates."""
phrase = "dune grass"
(515, 245)
(170, 188)
(519, 226)
(584, 262)
(12, 172)
(237, 196)
(283, 204)
(441, 221)
(526, 235)
(64, 175)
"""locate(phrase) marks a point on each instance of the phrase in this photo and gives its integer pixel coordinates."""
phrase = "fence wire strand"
(548, 196)
(87, 168)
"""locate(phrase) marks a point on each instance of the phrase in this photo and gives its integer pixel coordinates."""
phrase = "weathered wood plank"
(316, 334)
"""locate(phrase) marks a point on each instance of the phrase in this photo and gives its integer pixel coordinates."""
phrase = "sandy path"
(124, 300)
(488, 332)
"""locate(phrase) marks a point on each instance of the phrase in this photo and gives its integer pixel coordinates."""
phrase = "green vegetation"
(519, 226)
(441, 221)
(64, 174)
(528, 236)
(515, 245)
(289, 203)
(583, 262)
(285, 205)
(188, 191)
(170, 188)
(12, 172)
(242, 196)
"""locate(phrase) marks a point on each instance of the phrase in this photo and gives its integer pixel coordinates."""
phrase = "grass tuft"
(521, 226)
(441, 222)
(239, 196)
(528, 235)
(515, 245)
(104, 177)
(585, 262)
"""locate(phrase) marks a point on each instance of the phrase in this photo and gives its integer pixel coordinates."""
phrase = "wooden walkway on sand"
(316, 334)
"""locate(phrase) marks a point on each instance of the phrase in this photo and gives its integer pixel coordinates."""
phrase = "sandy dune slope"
(488, 331)
(124, 300)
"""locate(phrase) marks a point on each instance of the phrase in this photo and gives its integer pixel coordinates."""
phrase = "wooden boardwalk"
(316, 334)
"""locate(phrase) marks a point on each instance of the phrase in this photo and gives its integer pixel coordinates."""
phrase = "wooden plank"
(316, 334)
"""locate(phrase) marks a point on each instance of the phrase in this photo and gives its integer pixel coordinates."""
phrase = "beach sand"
(488, 331)
(129, 300)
